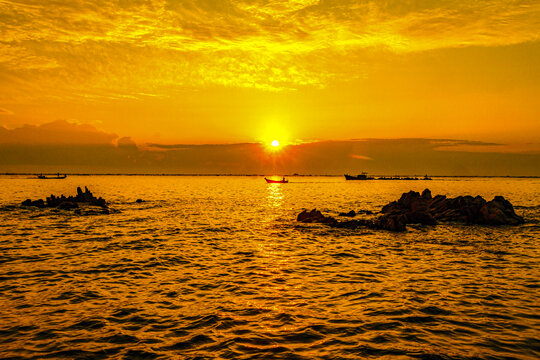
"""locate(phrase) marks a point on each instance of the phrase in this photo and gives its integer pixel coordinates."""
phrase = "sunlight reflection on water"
(275, 195)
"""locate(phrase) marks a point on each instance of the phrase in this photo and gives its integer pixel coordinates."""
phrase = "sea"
(216, 267)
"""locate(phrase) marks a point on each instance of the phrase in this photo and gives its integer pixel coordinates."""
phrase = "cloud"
(360, 157)
(4, 111)
(68, 147)
(126, 142)
(106, 50)
(439, 143)
(60, 132)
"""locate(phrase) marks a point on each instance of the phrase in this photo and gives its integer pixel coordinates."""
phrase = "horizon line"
(259, 175)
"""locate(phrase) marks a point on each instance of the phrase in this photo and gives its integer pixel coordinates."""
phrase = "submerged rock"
(37, 203)
(315, 216)
(390, 222)
(416, 208)
(353, 213)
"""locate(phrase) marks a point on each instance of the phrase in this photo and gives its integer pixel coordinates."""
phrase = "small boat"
(58, 176)
(362, 176)
(282, 181)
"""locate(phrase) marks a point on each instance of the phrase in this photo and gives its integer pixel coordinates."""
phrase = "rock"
(353, 213)
(315, 216)
(420, 217)
(100, 202)
(423, 209)
(71, 202)
(413, 208)
(81, 197)
(499, 211)
(350, 224)
(37, 203)
(309, 216)
(392, 222)
(408, 200)
(385, 222)
(66, 205)
(139, 201)
(390, 207)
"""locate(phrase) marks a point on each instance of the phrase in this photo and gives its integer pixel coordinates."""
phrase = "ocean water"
(218, 268)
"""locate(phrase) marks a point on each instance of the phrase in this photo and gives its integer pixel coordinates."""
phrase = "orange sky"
(227, 71)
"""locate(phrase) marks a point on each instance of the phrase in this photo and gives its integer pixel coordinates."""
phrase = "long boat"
(270, 181)
(362, 176)
(57, 177)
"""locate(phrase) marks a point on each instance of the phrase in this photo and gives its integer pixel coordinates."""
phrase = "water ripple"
(219, 268)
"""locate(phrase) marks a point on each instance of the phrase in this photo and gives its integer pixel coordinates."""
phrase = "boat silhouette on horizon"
(57, 177)
(362, 176)
(282, 181)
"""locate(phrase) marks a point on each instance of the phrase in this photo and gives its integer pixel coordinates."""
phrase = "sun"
(274, 138)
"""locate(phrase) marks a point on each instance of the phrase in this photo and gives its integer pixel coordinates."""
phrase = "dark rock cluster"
(393, 223)
(70, 202)
(415, 208)
(428, 210)
(353, 213)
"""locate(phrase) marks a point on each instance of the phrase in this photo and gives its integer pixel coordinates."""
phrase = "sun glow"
(274, 136)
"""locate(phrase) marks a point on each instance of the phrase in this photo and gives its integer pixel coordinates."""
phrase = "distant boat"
(58, 176)
(282, 181)
(362, 176)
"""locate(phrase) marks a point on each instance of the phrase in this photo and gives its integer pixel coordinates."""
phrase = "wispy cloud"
(360, 157)
(4, 111)
(127, 48)
(441, 143)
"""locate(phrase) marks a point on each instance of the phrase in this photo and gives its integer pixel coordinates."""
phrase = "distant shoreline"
(262, 175)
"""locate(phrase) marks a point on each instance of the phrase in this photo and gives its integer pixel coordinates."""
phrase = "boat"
(362, 176)
(58, 176)
(282, 181)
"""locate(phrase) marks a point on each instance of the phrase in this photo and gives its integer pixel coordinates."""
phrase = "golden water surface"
(217, 267)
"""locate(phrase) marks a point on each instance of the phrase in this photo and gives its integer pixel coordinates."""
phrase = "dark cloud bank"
(65, 147)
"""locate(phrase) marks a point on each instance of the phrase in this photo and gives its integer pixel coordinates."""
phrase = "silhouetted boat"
(270, 181)
(362, 176)
(57, 177)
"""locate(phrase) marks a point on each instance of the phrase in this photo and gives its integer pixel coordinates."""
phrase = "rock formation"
(70, 202)
(415, 208)
(424, 209)
(391, 222)
(353, 213)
